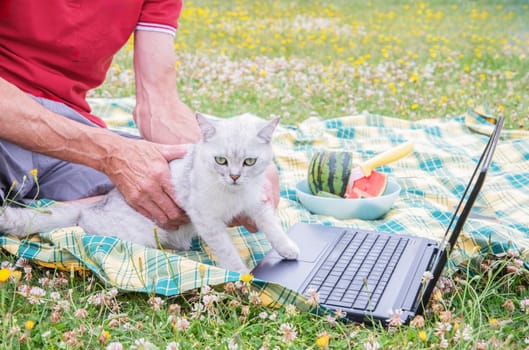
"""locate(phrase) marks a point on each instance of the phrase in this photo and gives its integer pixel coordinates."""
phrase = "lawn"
(298, 59)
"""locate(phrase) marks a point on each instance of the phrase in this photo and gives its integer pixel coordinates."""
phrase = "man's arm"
(138, 168)
(159, 113)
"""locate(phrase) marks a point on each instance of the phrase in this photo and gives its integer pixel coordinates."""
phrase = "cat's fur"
(212, 194)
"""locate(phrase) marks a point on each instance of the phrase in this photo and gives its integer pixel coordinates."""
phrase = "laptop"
(370, 274)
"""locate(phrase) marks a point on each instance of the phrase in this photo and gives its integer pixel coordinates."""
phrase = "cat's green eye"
(221, 160)
(250, 161)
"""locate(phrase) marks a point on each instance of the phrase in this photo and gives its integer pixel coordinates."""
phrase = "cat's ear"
(266, 133)
(206, 127)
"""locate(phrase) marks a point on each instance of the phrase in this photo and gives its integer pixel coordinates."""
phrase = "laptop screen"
(462, 211)
(472, 190)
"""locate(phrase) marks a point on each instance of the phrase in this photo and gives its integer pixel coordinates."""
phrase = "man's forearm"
(160, 115)
(31, 126)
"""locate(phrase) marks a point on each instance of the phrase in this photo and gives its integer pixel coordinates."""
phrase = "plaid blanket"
(432, 180)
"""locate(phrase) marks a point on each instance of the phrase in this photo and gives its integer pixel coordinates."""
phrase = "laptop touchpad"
(292, 274)
(312, 241)
(309, 251)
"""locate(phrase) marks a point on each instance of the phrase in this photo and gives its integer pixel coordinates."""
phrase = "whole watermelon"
(329, 172)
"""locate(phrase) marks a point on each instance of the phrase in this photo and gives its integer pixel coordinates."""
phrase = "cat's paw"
(289, 250)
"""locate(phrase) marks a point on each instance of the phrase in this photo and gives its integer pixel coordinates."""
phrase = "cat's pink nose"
(235, 177)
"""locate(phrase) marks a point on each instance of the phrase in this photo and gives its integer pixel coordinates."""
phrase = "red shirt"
(60, 49)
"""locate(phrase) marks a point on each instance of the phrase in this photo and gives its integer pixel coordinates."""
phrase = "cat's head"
(236, 151)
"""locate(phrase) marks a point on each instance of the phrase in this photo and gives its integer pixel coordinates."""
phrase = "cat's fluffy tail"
(23, 221)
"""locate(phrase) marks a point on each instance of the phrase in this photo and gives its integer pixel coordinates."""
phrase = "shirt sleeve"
(160, 16)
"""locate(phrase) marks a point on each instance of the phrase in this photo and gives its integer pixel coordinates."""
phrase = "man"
(53, 52)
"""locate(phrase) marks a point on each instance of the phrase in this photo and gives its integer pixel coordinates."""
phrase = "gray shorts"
(57, 179)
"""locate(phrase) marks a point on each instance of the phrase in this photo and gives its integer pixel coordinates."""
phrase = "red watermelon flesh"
(373, 185)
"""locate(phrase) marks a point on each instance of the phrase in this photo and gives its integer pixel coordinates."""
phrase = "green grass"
(295, 58)
(71, 310)
(298, 59)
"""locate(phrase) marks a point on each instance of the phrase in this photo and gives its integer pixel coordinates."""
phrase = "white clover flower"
(427, 276)
(143, 344)
(114, 346)
(313, 297)
(288, 331)
(172, 346)
(181, 324)
(36, 295)
(155, 303)
(395, 318)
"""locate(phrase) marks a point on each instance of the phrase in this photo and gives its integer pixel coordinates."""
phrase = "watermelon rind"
(329, 172)
(327, 195)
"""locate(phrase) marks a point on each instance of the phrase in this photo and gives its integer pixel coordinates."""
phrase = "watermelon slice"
(373, 185)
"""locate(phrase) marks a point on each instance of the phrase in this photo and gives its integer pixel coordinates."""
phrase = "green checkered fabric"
(432, 178)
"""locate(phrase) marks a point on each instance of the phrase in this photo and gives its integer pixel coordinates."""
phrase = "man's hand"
(270, 195)
(141, 173)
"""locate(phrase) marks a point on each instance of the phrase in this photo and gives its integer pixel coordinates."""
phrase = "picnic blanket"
(432, 180)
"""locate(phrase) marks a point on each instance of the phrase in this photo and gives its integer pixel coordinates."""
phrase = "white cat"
(221, 177)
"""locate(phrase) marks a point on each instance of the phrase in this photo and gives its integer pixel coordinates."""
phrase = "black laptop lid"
(463, 209)
(472, 190)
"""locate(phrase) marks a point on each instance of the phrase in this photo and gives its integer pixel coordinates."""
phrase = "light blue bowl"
(341, 208)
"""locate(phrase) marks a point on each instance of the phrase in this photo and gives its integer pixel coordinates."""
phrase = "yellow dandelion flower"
(33, 173)
(104, 337)
(4, 275)
(247, 277)
(105, 334)
(414, 106)
(263, 73)
(29, 325)
(501, 108)
(323, 341)
(493, 321)
(423, 336)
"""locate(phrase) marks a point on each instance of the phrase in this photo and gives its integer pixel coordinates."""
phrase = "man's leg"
(57, 179)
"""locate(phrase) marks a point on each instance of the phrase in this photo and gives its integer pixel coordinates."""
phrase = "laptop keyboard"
(356, 272)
